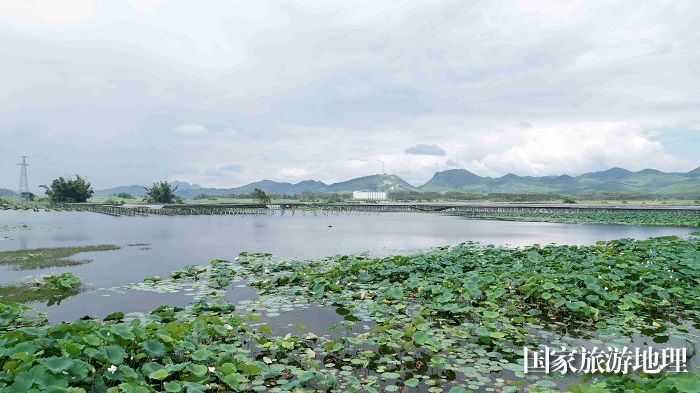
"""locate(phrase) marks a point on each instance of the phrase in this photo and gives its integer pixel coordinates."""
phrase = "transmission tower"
(23, 182)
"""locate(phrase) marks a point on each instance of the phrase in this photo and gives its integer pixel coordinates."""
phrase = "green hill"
(273, 187)
(454, 179)
(612, 181)
(694, 173)
(371, 183)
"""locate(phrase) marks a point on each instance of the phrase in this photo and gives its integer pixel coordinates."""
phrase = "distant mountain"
(183, 185)
(269, 186)
(610, 174)
(134, 190)
(139, 191)
(371, 183)
(366, 183)
(274, 187)
(6, 192)
(613, 180)
(454, 179)
(694, 173)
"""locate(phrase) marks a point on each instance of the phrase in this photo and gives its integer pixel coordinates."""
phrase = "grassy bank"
(16, 203)
(39, 258)
(452, 319)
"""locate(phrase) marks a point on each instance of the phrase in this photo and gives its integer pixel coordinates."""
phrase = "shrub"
(162, 192)
(69, 190)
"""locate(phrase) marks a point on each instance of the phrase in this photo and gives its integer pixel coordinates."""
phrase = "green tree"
(162, 192)
(334, 198)
(259, 196)
(28, 196)
(69, 190)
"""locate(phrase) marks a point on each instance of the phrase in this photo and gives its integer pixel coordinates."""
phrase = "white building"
(369, 195)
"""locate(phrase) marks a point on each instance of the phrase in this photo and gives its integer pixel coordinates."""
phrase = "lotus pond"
(450, 319)
(399, 316)
(173, 242)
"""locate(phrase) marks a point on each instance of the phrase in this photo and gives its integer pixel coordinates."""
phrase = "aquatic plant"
(62, 282)
(38, 258)
(13, 227)
(52, 288)
(451, 319)
(14, 316)
(663, 218)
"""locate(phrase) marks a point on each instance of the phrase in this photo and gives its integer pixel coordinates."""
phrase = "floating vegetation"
(39, 258)
(13, 227)
(697, 233)
(140, 246)
(198, 281)
(51, 289)
(452, 319)
(662, 218)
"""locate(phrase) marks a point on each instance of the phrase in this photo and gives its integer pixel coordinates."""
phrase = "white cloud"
(231, 168)
(573, 148)
(301, 89)
(148, 5)
(53, 13)
(337, 154)
(191, 129)
(293, 174)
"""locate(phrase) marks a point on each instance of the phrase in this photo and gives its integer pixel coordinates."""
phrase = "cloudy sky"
(223, 93)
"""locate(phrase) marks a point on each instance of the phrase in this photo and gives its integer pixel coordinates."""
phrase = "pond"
(173, 242)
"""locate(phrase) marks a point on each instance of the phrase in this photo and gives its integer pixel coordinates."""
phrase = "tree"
(162, 192)
(69, 190)
(259, 196)
(28, 196)
(334, 198)
(124, 195)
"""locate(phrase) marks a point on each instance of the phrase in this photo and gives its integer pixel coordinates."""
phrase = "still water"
(182, 240)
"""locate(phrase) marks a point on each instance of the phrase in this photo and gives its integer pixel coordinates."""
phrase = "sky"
(223, 93)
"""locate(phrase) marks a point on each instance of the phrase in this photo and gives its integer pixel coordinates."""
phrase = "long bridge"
(340, 208)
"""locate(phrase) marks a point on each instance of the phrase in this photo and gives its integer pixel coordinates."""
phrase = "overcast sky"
(222, 93)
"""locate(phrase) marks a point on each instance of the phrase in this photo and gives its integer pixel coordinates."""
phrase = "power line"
(23, 182)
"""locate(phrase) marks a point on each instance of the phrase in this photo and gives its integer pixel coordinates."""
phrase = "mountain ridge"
(7, 192)
(613, 180)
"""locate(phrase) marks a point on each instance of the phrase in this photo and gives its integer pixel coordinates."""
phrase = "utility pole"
(382, 166)
(23, 182)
